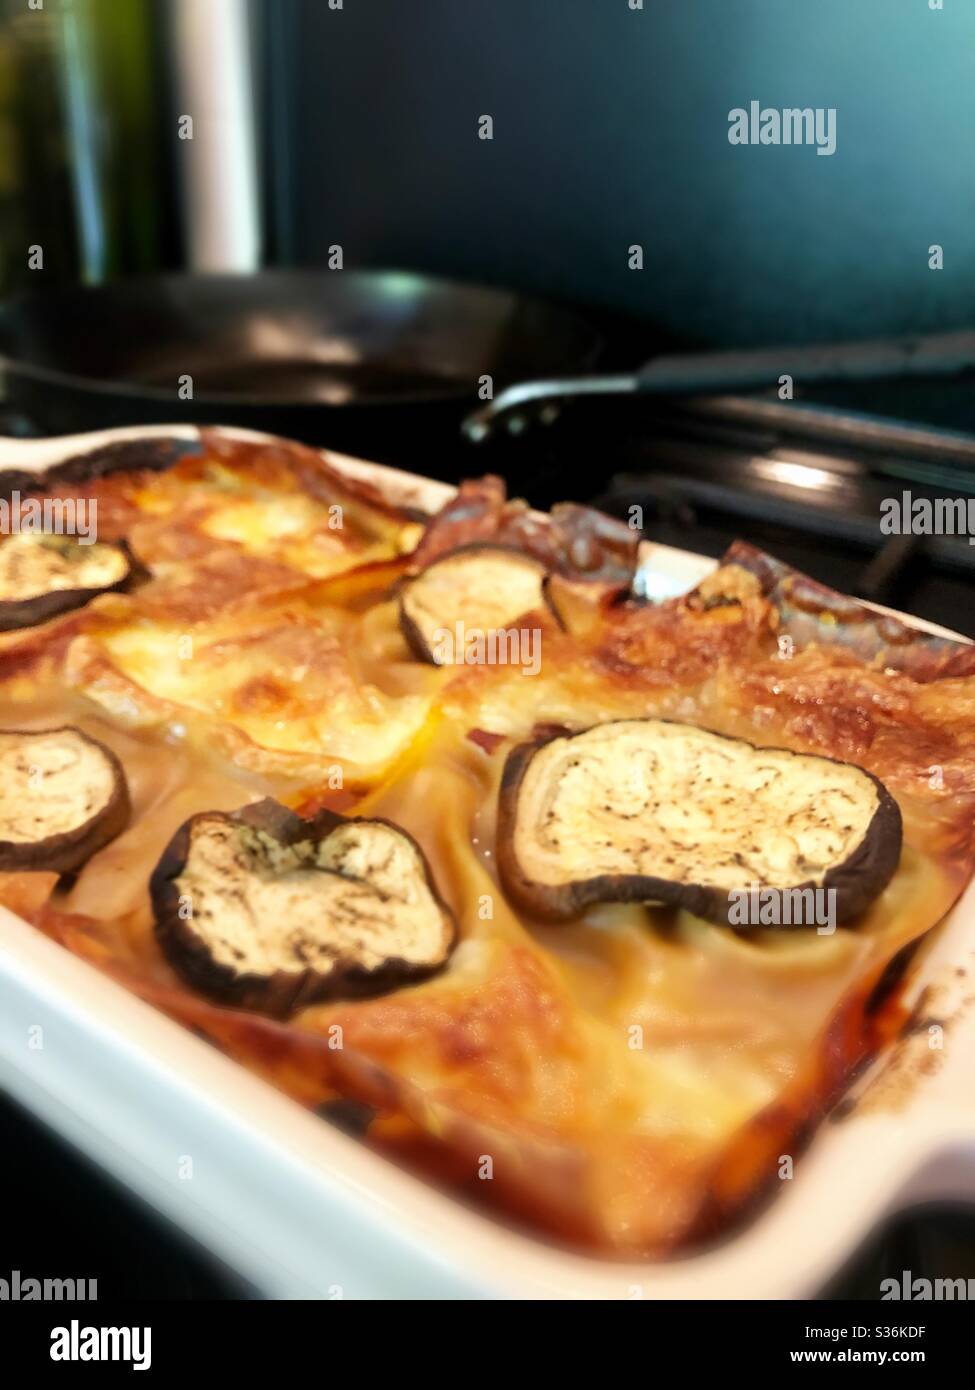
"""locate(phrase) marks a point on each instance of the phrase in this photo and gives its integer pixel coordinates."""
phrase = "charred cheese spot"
(482, 587)
(651, 810)
(41, 576)
(62, 797)
(275, 912)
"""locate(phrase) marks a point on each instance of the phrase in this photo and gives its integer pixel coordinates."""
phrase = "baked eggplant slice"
(480, 587)
(63, 796)
(266, 910)
(43, 575)
(647, 810)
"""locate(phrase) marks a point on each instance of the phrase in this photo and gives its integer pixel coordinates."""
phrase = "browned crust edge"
(411, 632)
(284, 992)
(857, 881)
(67, 852)
(149, 454)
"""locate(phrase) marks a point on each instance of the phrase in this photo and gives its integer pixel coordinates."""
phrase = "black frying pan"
(384, 364)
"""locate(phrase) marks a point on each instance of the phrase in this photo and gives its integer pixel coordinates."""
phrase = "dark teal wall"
(611, 128)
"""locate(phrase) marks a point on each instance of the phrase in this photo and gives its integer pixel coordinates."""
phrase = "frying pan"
(379, 363)
(385, 363)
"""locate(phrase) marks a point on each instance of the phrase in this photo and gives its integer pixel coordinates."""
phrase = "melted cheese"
(294, 529)
(289, 686)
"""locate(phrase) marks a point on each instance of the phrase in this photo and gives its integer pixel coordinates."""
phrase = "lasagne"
(265, 766)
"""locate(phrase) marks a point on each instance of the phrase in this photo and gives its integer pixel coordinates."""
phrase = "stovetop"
(807, 480)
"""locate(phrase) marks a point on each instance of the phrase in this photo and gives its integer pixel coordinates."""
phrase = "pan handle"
(702, 374)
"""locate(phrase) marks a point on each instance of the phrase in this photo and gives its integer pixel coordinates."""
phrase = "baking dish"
(300, 1208)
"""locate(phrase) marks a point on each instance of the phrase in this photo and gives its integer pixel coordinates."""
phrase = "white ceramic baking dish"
(301, 1210)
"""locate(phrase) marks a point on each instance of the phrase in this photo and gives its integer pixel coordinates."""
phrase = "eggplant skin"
(282, 992)
(66, 852)
(411, 626)
(41, 608)
(141, 455)
(857, 880)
